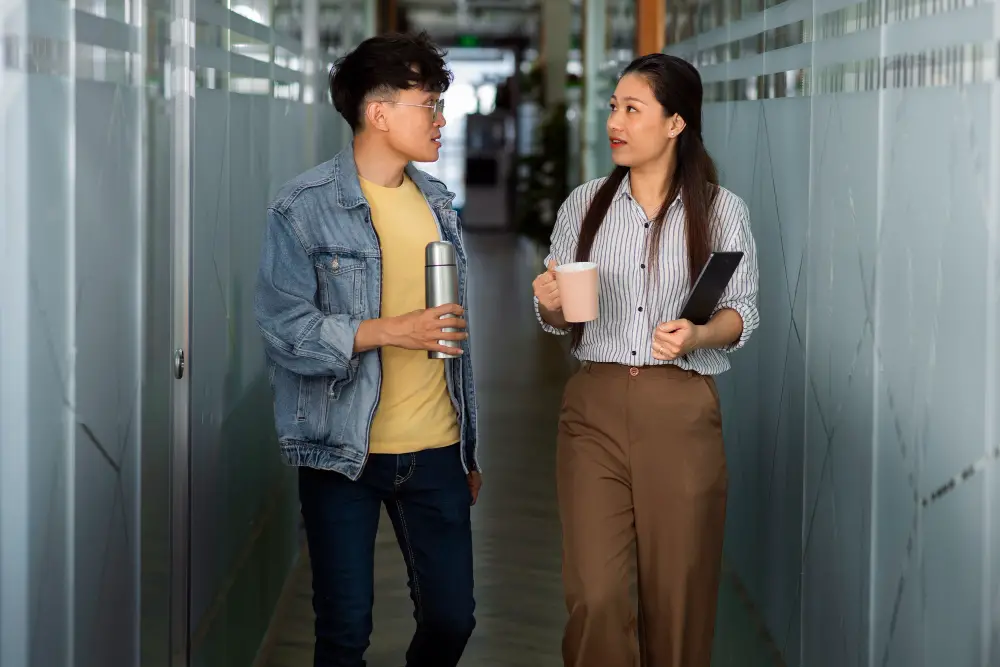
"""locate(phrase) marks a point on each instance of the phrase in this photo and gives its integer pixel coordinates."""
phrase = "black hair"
(677, 86)
(385, 65)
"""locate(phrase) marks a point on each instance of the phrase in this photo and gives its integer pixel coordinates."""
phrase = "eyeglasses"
(437, 108)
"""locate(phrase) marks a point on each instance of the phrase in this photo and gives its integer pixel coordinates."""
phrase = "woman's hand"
(547, 289)
(675, 339)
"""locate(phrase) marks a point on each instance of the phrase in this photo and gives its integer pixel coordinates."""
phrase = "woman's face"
(638, 128)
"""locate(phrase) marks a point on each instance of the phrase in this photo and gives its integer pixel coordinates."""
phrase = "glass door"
(165, 544)
(180, 102)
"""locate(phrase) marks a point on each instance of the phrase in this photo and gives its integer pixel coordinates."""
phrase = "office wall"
(70, 343)
(90, 166)
(249, 138)
(861, 421)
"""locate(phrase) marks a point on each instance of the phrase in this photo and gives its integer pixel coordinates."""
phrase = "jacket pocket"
(313, 404)
(333, 387)
(340, 280)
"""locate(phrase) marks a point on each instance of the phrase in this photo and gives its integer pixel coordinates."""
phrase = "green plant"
(542, 183)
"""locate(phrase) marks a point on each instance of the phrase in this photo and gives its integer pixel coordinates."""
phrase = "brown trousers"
(640, 464)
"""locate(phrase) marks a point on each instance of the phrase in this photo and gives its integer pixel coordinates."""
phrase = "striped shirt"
(632, 302)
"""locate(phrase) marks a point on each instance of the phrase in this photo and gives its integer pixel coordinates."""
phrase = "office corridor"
(520, 612)
(146, 518)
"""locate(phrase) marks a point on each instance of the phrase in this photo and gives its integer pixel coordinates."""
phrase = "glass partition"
(141, 142)
(252, 131)
(608, 46)
(861, 420)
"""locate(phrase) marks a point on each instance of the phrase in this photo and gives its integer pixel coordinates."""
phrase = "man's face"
(413, 122)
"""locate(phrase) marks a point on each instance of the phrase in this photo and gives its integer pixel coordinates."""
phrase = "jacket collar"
(348, 186)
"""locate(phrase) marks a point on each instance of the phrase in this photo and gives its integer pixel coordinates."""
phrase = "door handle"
(178, 363)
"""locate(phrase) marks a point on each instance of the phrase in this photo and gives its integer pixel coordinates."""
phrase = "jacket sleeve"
(297, 335)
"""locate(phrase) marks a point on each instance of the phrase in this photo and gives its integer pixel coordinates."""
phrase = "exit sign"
(468, 40)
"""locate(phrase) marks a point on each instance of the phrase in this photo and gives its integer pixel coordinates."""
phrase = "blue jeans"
(428, 500)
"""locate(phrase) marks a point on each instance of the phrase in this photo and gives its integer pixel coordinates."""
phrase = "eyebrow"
(628, 98)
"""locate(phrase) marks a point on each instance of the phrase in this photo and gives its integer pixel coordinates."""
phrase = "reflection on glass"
(853, 18)
(258, 11)
(119, 10)
(784, 36)
(733, 10)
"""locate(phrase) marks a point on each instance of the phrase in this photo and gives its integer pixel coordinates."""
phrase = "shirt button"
(633, 353)
(647, 225)
(642, 266)
(640, 310)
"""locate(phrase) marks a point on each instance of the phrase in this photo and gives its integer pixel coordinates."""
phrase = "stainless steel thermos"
(441, 284)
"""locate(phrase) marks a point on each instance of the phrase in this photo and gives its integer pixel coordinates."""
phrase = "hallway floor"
(520, 612)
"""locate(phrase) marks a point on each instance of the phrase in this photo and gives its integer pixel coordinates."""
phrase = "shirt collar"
(625, 188)
(625, 191)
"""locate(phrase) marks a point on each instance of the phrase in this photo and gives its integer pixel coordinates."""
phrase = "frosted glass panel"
(70, 345)
(92, 169)
(861, 421)
(246, 144)
(50, 336)
(108, 372)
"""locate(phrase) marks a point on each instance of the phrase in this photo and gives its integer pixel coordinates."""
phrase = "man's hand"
(475, 483)
(419, 330)
(674, 339)
(422, 329)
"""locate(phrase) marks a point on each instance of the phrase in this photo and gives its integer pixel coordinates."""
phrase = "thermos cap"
(440, 253)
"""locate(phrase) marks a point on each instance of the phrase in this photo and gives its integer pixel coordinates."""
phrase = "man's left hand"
(475, 483)
(674, 339)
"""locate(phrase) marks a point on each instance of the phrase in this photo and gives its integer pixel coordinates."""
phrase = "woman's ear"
(675, 126)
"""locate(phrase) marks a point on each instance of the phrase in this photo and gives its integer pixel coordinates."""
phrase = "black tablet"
(709, 287)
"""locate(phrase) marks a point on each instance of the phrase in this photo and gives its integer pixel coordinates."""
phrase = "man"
(363, 412)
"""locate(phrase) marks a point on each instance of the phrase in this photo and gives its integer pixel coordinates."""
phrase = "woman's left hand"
(675, 339)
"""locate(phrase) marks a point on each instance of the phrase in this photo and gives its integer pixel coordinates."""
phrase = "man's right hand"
(422, 329)
(547, 289)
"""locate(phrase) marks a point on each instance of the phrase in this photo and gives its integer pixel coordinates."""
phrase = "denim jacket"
(320, 276)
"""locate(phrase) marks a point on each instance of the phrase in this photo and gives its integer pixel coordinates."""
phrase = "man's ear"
(376, 117)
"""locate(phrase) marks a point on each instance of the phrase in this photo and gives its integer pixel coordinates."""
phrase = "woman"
(640, 453)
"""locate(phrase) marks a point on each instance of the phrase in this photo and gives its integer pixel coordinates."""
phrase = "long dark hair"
(676, 85)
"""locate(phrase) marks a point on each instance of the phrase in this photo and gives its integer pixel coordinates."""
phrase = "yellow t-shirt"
(415, 411)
